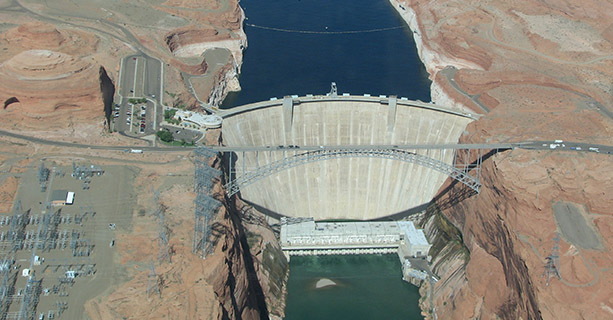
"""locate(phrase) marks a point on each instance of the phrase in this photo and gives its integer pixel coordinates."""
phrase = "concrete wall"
(358, 188)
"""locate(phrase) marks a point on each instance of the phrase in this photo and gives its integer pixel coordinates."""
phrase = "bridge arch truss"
(458, 171)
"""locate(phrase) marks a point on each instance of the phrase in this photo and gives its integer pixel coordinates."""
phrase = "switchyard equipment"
(39, 234)
(19, 221)
(49, 231)
(84, 172)
(85, 210)
(29, 302)
(7, 288)
(43, 176)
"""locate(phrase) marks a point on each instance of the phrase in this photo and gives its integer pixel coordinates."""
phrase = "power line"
(323, 32)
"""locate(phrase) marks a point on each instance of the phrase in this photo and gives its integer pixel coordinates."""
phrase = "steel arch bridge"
(460, 173)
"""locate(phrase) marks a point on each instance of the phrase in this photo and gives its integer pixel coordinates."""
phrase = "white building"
(202, 121)
(306, 234)
(413, 240)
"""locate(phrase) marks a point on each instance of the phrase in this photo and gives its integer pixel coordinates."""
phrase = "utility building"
(413, 241)
(61, 197)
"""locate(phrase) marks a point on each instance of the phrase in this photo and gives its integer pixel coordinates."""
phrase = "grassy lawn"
(175, 143)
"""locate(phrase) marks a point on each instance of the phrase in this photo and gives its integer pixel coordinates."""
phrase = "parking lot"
(134, 118)
(140, 87)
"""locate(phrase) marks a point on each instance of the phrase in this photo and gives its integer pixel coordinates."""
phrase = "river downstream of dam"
(298, 48)
(366, 287)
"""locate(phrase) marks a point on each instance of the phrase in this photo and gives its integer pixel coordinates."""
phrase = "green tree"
(165, 136)
(168, 114)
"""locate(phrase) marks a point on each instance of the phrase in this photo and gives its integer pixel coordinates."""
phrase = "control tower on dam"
(355, 188)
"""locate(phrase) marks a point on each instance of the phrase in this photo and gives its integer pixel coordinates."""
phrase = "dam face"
(342, 188)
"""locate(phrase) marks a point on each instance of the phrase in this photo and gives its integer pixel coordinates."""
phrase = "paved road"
(93, 147)
(528, 145)
(567, 146)
(449, 73)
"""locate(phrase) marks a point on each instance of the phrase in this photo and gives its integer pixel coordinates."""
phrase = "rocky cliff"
(48, 90)
(535, 71)
(193, 41)
(251, 272)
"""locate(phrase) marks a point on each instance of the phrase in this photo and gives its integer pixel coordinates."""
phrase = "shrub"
(165, 136)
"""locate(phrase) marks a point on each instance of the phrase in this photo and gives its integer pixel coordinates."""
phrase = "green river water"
(368, 287)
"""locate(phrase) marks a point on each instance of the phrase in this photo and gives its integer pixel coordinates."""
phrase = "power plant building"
(305, 236)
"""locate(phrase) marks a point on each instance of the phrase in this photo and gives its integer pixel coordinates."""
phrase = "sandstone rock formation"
(210, 31)
(537, 71)
(52, 88)
(39, 35)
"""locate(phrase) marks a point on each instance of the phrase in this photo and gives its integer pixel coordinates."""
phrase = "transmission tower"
(160, 213)
(153, 283)
(552, 266)
(164, 254)
(206, 206)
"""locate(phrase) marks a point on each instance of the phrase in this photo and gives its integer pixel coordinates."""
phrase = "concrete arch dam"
(355, 188)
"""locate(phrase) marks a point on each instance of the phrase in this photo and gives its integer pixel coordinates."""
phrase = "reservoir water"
(300, 47)
(309, 48)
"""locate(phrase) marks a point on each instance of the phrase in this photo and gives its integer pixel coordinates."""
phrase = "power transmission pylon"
(153, 283)
(552, 265)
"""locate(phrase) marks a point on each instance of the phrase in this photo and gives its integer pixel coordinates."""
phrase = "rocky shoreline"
(227, 80)
(513, 62)
(432, 60)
